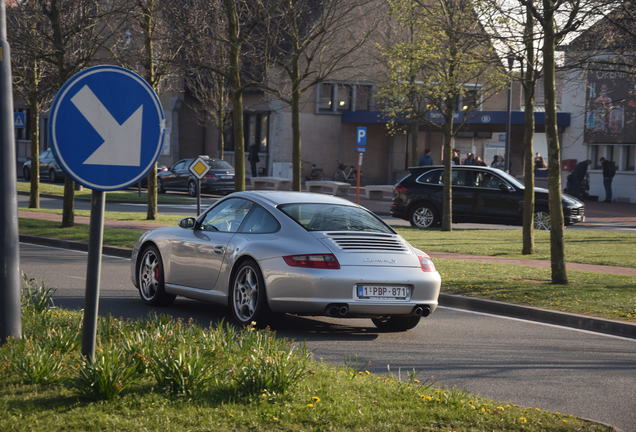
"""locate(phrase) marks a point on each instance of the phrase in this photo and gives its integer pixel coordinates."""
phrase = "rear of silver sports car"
(363, 274)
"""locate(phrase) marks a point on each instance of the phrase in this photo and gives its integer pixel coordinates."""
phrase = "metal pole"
(508, 159)
(93, 272)
(358, 178)
(10, 318)
(198, 196)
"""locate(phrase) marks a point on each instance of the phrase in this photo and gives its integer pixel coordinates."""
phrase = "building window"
(255, 131)
(338, 97)
(471, 99)
(629, 157)
(326, 96)
(609, 152)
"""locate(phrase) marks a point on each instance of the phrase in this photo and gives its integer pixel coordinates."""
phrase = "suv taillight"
(426, 264)
(321, 261)
(210, 176)
(400, 189)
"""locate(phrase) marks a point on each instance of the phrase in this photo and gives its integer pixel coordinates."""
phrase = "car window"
(463, 178)
(334, 217)
(488, 181)
(259, 221)
(227, 216)
(179, 165)
(431, 177)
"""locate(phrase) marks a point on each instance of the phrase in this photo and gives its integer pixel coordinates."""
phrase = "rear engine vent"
(367, 241)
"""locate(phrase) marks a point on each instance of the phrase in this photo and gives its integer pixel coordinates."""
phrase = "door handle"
(219, 249)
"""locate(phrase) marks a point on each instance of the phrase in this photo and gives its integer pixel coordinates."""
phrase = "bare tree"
(147, 45)
(32, 77)
(237, 31)
(312, 42)
(75, 34)
(445, 51)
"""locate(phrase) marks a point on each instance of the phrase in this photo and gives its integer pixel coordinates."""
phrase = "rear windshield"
(220, 164)
(334, 217)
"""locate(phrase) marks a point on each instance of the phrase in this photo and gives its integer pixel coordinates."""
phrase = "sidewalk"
(144, 226)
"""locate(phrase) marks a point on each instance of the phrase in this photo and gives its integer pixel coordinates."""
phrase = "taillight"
(400, 189)
(210, 176)
(321, 261)
(426, 264)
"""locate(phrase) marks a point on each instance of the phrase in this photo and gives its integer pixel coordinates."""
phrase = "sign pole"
(358, 178)
(10, 318)
(93, 272)
(198, 196)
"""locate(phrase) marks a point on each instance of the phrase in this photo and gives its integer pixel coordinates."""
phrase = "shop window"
(326, 96)
(338, 97)
(629, 157)
(255, 131)
(344, 95)
(24, 133)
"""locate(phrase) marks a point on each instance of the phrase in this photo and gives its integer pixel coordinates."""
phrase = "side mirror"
(188, 222)
(505, 188)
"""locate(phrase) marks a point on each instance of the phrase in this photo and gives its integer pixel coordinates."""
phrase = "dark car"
(480, 195)
(220, 177)
(49, 169)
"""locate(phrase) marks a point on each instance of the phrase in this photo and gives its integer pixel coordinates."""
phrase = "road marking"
(537, 322)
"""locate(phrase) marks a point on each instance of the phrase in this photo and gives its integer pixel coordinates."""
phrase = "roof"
(275, 198)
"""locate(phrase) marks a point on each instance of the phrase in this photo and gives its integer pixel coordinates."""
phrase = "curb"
(581, 322)
(73, 245)
(108, 201)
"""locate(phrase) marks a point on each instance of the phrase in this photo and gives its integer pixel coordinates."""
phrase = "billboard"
(610, 107)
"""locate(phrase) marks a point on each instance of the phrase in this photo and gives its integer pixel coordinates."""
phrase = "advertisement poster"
(610, 108)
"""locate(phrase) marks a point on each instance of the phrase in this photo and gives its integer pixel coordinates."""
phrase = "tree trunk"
(34, 197)
(296, 145)
(557, 249)
(414, 130)
(151, 197)
(237, 94)
(221, 140)
(528, 137)
(447, 206)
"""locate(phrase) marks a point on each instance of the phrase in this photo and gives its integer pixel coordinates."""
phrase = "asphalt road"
(570, 371)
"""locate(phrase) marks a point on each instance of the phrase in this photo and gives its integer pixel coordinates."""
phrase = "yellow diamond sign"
(199, 167)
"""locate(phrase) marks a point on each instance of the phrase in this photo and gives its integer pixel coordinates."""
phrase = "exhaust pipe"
(337, 309)
(343, 310)
(422, 310)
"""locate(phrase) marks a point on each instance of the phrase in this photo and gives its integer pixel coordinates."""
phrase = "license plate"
(383, 292)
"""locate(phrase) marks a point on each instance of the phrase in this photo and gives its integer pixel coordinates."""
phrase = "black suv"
(480, 195)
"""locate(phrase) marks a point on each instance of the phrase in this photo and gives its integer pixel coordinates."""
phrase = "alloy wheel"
(149, 276)
(245, 295)
(542, 220)
(423, 217)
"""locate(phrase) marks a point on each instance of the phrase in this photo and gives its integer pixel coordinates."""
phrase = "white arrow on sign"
(122, 142)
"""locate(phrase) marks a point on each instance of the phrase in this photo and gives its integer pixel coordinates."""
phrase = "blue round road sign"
(106, 127)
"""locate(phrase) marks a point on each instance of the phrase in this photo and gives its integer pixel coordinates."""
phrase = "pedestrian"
(575, 180)
(253, 158)
(455, 159)
(539, 163)
(498, 162)
(480, 162)
(609, 170)
(426, 158)
(470, 159)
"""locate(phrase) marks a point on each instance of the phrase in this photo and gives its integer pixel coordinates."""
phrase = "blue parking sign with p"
(361, 136)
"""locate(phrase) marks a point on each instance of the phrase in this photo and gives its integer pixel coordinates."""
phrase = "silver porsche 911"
(270, 252)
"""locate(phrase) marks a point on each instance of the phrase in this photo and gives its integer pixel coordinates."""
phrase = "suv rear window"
(334, 217)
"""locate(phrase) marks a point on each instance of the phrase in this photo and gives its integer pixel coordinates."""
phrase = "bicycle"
(345, 173)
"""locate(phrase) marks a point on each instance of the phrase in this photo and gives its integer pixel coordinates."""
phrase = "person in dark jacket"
(575, 180)
(426, 158)
(609, 170)
(253, 158)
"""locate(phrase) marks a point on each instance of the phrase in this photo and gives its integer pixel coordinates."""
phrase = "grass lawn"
(600, 295)
(581, 246)
(310, 395)
(56, 189)
(162, 219)
(121, 237)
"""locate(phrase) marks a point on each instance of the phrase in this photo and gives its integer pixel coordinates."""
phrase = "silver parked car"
(269, 252)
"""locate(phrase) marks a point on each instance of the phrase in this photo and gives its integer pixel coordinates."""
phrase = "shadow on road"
(206, 314)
